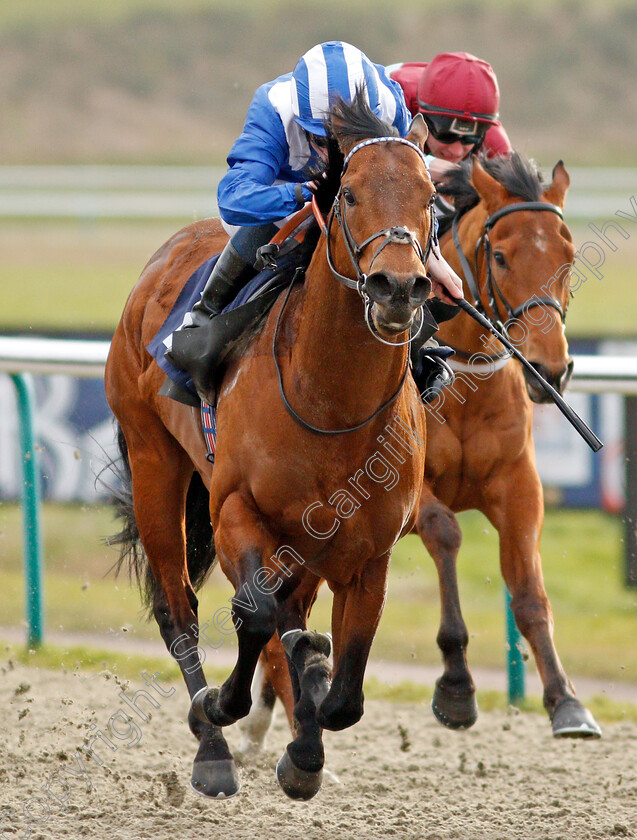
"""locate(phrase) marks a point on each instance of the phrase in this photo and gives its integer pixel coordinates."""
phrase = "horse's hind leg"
(454, 701)
(518, 518)
(255, 725)
(157, 461)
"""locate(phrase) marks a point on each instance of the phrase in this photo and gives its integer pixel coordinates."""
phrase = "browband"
(373, 140)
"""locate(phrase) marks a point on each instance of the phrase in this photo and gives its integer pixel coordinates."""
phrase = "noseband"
(398, 234)
(491, 284)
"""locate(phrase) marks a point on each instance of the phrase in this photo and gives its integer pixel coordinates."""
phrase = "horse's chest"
(468, 451)
(344, 518)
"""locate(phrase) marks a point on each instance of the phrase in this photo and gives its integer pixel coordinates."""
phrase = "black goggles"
(449, 130)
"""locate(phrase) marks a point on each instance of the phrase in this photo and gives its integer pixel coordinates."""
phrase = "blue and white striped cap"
(325, 73)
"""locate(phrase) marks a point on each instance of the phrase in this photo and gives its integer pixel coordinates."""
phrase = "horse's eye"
(498, 256)
(348, 195)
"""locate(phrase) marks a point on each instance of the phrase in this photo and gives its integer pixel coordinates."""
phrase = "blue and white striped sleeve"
(247, 194)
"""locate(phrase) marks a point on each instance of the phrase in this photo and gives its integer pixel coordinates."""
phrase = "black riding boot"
(229, 276)
(197, 346)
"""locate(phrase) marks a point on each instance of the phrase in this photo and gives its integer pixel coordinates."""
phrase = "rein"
(492, 287)
(399, 234)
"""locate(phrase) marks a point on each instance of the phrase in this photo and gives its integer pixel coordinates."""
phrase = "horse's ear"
(418, 131)
(490, 191)
(556, 192)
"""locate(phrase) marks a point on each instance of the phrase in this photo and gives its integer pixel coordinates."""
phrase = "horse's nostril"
(541, 370)
(565, 376)
(420, 290)
(379, 287)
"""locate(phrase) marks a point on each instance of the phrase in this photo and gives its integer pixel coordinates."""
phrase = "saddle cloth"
(265, 281)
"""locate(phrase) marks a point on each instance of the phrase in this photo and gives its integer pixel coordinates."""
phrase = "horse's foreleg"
(242, 545)
(300, 769)
(518, 518)
(272, 678)
(356, 611)
(454, 702)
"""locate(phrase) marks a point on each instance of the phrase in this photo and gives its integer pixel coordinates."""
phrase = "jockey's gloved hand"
(315, 183)
(430, 369)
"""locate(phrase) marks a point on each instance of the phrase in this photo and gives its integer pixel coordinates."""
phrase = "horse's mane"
(354, 121)
(518, 175)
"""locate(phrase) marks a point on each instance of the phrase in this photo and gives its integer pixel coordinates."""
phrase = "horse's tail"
(200, 547)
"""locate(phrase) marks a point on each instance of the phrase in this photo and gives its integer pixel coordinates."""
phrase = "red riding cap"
(459, 85)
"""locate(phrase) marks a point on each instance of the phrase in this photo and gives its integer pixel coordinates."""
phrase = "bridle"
(492, 287)
(399, 234)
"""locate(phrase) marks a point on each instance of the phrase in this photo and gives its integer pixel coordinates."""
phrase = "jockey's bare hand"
(446, 285)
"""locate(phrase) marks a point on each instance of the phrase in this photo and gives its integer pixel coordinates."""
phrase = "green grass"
(94, 660)
(79, 274)
(64, 299)
(593, 310)
(595, 616)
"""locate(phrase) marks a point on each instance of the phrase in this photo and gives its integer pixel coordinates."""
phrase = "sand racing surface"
(400, 773)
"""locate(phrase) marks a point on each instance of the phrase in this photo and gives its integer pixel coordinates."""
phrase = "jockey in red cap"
(458, 96)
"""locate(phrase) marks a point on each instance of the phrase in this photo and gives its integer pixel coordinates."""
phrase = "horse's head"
(383, 215)
(526, 261)
(524, 256)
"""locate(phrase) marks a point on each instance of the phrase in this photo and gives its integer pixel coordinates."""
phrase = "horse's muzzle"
(396, 299)
(558, 380)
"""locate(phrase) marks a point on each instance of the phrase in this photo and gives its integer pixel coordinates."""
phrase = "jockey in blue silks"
(269, 175)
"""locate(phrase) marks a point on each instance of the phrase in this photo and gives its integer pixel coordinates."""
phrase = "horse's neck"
(462, 332)
(337, 365)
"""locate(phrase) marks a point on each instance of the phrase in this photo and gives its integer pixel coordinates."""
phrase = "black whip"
(573, 418)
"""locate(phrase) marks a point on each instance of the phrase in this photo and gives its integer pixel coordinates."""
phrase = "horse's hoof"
(455, 711)
(572, 720)
(297, 784)
(215, 779)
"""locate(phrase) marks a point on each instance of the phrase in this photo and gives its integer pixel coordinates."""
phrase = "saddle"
(284, 258)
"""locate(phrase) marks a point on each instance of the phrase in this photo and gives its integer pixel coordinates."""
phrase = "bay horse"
(300, 409)
(514, 252)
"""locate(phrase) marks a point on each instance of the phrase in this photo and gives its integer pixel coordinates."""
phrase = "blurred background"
(116, 120)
